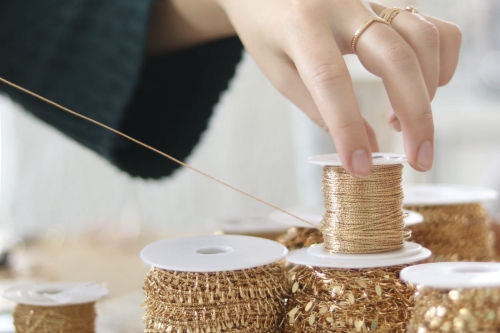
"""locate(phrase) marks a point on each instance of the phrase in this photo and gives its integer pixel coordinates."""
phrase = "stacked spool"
(456, 226)
(343, 292)
(301, 234)
(55, 307)
(455, 297)
(218, 283)
(257, 226)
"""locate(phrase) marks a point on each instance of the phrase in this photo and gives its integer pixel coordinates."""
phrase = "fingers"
(323, 71)
(393, 121)
(420, 36)
(423, 37)
(450, 40)
(372, 137)
(386, 54)
(288, 82)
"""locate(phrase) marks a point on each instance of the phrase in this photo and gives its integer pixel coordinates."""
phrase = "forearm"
(177, 24)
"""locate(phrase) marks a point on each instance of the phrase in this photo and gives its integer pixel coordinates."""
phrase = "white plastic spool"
(316, 256)
(315, 215)
(377, 159)
(440, 194)
(244, 225)
(213, 253)
(56, 294)
(454, 275)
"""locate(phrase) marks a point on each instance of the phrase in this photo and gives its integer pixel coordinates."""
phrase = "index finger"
(322, 69)
(386, 54)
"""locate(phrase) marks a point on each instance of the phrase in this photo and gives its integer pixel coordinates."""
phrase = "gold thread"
(149, 147)
(363, 215)
(247, 301)
(454, 232)
(79, 318)
(298, 238)
(456, 311)
(348, 300)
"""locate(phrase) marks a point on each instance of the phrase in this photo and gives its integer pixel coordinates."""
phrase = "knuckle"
(348, 127)
(400, 54)
(428, 33)
(327, 75)
(303, 11)
(424, 118)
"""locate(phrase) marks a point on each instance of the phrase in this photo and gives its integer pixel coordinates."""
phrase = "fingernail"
(396, 125)
(361, 163)
(425, 156)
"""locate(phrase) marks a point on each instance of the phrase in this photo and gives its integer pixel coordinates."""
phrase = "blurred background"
(257, 141)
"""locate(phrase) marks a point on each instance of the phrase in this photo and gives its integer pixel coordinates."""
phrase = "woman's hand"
(299, 45)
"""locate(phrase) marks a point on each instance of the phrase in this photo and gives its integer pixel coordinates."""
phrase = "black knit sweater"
(88, 55)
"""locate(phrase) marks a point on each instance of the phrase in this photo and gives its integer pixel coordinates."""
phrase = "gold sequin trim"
(298, 238)
(456, 311)
(348, 300)
(454, 232)
(250, 300)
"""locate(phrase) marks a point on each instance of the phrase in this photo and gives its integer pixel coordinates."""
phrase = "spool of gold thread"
(223, 283)
(363, 215)
(455, 297)
(455, 232)
(59, 307)
(351, 282)
(299, 237)
(79, 318)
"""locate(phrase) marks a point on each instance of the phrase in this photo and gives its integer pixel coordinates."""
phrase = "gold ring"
(363, 28)
(389, 14)
(411, 9)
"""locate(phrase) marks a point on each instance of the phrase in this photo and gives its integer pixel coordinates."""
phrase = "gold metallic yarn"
(456, 311)
(298, 238)
(363, 215)
(455, 232)
(250, 300)
(79, 318)
(348, 300)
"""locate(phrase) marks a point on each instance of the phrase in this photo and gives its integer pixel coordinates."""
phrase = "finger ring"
(363, 28)
(411, 9)
(389, 14)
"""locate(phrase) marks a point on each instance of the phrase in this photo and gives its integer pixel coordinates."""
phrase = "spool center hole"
(215, 250)
(476, 270)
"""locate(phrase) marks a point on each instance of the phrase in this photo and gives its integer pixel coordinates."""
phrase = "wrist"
(177, 24)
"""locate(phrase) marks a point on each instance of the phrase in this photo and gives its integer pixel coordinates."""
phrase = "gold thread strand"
(363, 215)
(150, 148)
(79, 318)
(454, 232)
(348, 300)
(456, 311)
(247, 301)
(298, 238)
